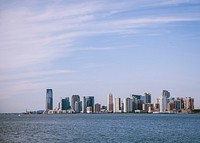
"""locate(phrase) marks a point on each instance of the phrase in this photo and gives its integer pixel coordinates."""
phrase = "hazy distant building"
(110, 102)
(78, 106)
(189, 103)
(59, 106)
(164, 100)
(117, 105)
(122, 106)
(137, 96)
(104, 107)
(147, 97)
(73, 100)
(128, 105)
(138, 100)
(177, 104)
(65, 103)
(147, 107)
(142, 99)
(182, 103)
(170, 106)
(49, 99)
(157, 105)
(88, 101)
(97, 108)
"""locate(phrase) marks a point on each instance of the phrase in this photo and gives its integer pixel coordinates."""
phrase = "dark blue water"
(96, 128)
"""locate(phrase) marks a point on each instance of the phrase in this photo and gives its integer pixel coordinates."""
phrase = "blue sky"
(97, 47)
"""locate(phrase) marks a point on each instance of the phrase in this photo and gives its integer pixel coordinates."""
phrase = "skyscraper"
(88, 101)
(110, 102)
(78, 106)
(182, 103)
(73, 100)
(189, 103)
(164, 100)
(177, 104)
(117, 105)
(128, 105)
(97, 108)
(147, 97)
(49, 99)
(65, 103)
(138, 100)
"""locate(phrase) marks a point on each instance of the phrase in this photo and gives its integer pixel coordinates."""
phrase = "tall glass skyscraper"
(73, 100)
(88, 101)
(164, 100)
(110, 102)
(147, 97)
(49, 99)
(65, 103)
(78, 106)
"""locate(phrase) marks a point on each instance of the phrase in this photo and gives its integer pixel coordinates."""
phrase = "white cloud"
(30, 40)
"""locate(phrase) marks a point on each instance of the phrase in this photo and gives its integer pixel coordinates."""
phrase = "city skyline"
(97, 47)
(136, 103)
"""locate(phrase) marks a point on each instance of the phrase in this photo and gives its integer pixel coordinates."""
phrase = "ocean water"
(100, 128)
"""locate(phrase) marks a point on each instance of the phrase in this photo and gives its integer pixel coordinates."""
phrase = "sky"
(90, 47)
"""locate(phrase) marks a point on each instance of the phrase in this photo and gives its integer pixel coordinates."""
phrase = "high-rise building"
(110, 102)
(128, 105)
(192, 104)
(147, 97)
(49, 99)
(122, 106)
(84, 105)
(78, 106)
(170, 106)
(97, 108)
(65, 103)
(137, 96)
(88, 101)
(182, 104)
(164, 100)
(177, 105)
(117, 105)
(73, 100)
(138, 100)
(157, 105)
(189, 103)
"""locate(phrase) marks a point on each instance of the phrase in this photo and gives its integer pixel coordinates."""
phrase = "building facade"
(128, 105)
(117, 105)
(177, 104)
(138, 100)
(78, 106)
(65, 104)
(49, 99)
(97, 108)
(88, 101)
(147, 97)
(164, 100)
(74, 98)
(110, 103)
(189, 103)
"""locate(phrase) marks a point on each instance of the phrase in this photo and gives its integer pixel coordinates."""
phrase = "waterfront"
(100, 128)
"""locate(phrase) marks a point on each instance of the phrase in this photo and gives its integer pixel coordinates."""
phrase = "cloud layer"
(35, 36)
